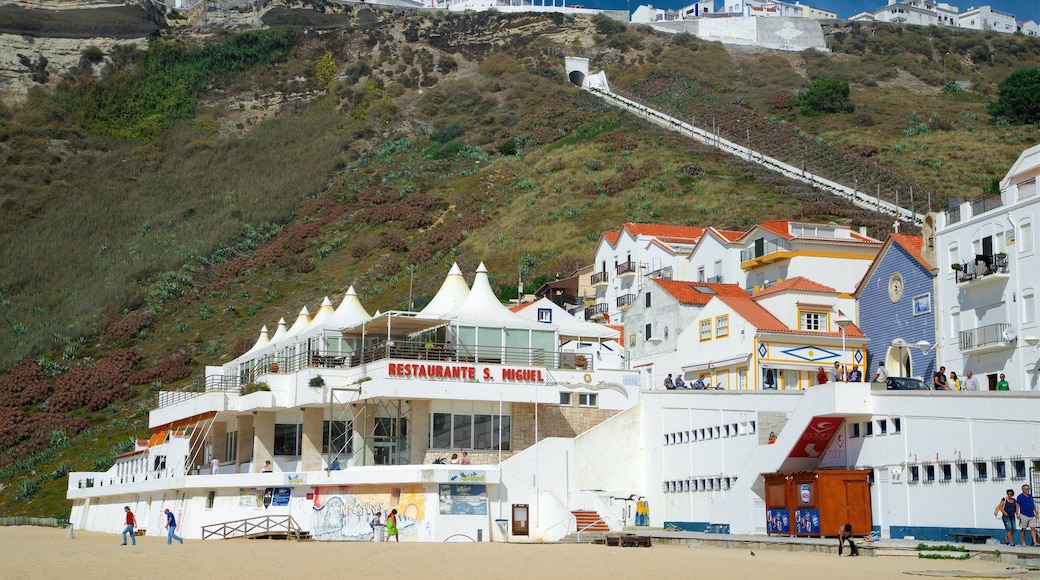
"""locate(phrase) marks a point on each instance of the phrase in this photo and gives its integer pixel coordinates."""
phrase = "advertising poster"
(248, 497)
(463, 499)
(807, 521)
(281, 496)
(778, 521)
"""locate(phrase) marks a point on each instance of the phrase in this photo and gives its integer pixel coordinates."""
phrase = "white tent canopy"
(452, 293)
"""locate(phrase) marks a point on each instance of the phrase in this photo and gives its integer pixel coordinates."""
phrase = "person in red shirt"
(131, 523)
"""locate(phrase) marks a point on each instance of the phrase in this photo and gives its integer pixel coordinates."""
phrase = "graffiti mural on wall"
(344, 513)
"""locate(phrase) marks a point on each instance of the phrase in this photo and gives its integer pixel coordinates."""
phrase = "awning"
(712, 364)
(395, 324)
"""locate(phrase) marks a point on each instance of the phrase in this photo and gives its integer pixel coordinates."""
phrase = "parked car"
(905, 384)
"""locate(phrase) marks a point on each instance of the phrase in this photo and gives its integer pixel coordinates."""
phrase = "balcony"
(596, 311)
(665, 273)
(984, 268)
(985, 338)
(600, 278)
(626, 268)
(986, 204)
(623, 302)
(765, 252)
(715, 280)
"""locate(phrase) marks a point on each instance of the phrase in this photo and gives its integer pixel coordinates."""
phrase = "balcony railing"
(596, 310)
(983, 336)
(985, 204)
(626, 300)
(665, 273)
(625, 268)
(953, 215)
(600, 278)
(983, 265)
(715, 279)
(764, 249)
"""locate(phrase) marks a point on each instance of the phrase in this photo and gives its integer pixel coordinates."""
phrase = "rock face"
(26, 62)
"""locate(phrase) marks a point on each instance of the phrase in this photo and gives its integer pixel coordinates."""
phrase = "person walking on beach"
(845, 535)
(131, 523)
(1026, 513)
(391, 526)
(375, 522)
(1007, 510)
(171, 525)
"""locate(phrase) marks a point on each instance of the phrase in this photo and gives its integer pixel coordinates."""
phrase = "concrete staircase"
(588, 521)
(584, 538)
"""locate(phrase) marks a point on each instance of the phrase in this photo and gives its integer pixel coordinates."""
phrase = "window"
(855, 431)
(545, 315)
(288, 438)
(999, 470)
(648, 300)
(341, 437)
(588, 399)
(451, 431)
(1025, 237)
(915, 474)
(882, 426)
(929, 473)
(700, 273)
(722, 326)
(705, 326)
(947, 472)
(869, 428)
(811, 320)
(897, 425)
(1018, 469)
(980, 470)
(565, 399)
(1028, 306)
(231, 446)
(648, 331)
(962, 472)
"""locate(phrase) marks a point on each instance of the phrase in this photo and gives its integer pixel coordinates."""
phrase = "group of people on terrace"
(678, 383)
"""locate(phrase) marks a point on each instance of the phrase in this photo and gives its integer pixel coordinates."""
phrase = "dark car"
(905, 384)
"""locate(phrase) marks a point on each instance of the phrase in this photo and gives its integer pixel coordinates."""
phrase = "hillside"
(161, 204)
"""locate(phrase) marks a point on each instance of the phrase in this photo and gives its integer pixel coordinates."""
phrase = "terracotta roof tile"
(913, 245)
(686, 292)
(756, 316)
(800, 283)
(612, 237)
(664, 231)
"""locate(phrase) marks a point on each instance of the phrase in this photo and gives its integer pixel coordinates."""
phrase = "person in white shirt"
(881, 375)
(214, 466)
(970, 383)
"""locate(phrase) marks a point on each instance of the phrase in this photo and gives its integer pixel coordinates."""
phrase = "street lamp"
(653, 377)
(842, 321)
(944, 68)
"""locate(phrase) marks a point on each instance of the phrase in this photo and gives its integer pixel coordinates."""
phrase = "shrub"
(254, 387)
(1018, 97)
(826, 95)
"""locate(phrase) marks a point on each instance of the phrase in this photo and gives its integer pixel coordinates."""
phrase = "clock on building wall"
(895, 287)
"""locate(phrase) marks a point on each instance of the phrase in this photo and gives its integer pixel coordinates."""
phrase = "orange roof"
(800, 283)
(612, 237)
(913, 245)
(686, 292)
(675, 233)
(763, 320)
(782, 228)
(730, 235)
(519, 307)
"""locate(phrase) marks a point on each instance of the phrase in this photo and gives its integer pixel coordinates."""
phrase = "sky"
(1022, 9)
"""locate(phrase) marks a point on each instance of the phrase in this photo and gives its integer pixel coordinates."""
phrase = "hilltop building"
(925, 13)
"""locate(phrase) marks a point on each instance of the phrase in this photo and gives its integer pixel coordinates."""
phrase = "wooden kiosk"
(818, 503)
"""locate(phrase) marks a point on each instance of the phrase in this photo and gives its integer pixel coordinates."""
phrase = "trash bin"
(379, 531)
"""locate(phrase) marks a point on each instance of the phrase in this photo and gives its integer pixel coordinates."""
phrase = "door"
(384, 452)
(521, 519)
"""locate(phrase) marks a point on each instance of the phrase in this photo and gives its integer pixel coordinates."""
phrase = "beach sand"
(30, 552)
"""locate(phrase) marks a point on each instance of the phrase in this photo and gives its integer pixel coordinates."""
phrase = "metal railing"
(983, 336)
(953, 215)
(665, 273)
(628, 267)
(265, 526)
(595, 310)
(625, 300)
(715, 279)
(600, 278)
(764, 249)
(985, 204)
(983, 265)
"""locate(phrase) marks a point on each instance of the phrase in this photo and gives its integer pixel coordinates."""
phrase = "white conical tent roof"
(280, 333)
(260, 342)
(349, 313)
(482, 308)
(325, 312)
(453, 291)
(569, 326)
(302, 320)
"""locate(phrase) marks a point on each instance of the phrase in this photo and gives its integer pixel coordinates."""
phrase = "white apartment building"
(986, 289)
(917, 12)
(626, 259)
(986, 18)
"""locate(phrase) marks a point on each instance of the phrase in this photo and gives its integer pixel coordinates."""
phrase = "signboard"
(807, 521)
(281, 496)
(805, 494)
(268, 496)
(248, 497)
(778, 521)
(816, 437)
(467, 477)
(463, 499)
(463, 372)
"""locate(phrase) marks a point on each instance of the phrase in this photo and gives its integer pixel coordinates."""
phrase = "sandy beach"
(30, 552)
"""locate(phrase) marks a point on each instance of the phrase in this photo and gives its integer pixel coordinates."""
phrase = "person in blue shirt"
(171, 525)
(1026, 513)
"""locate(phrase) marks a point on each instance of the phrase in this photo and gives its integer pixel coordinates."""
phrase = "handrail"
(600, 520)
(566, 519)
(253, 527)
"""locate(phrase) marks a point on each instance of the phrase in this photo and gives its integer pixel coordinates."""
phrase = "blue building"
(896, 309)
